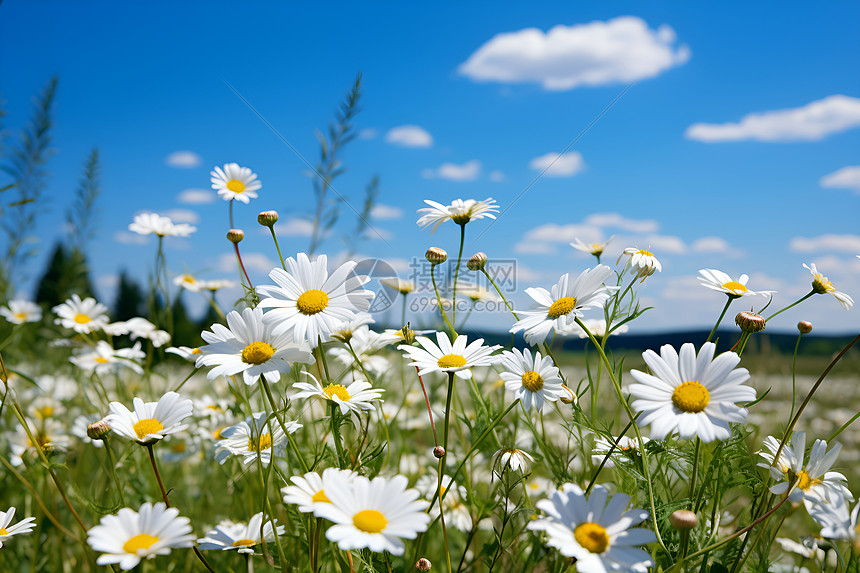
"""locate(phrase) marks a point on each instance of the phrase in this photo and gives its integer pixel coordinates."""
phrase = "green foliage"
(65, 274)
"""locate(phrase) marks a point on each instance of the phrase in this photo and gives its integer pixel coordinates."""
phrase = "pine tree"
(130, 300)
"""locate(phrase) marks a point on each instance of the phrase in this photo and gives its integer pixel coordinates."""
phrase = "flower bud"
(98, 430)
(423, 564)
(804, 326)
(569, 397)
(267, 218)
(436, 255)
(477, 262)
(683, 519)
(235, 235)
(750, 321)
(439, 452)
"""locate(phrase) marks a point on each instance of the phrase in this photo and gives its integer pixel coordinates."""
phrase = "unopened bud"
(423, 564)
(683, 519)
(267, 218)
(477, 262)
(750, 322)
(235, 235)
(98, 430)
(569, 397)
(804, 326)
(436, 255)
(439, 452)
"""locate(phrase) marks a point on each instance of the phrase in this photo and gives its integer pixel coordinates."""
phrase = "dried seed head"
(267, 218)
(683, 519)
(439, 452)
(436, 255)
(750, 322)
(98, 430)
(423, 564)
(235, 235)
(804, 326)
(477, 262)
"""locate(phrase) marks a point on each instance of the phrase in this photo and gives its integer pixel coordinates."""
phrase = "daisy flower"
(253, 438)
(153, 224)
(557, 310)
(459, 211)
(215, 285)
(7, 530)
(602, 447)
(373, 514)
(104, 359)
(595, 249)
(234, 182)
(402, 286)
(185, 352)
(309, 489)
(188, 282)
(357, 397)
(310, 302)
(477, 293)
(21, 311)
(533, 380)
(596, 326)
(228, 535)
(693, 395)
(446, 357)
(365, 343)
(835, 520)
(511, 459)
(130, 536)
(344, 331)
(822, 285)
(596, 533)
(642, 263)
(250, 347)
(150, 421)
(50, 437)
(721, 282)
(456, 513)
(82, 316)
(810, 481)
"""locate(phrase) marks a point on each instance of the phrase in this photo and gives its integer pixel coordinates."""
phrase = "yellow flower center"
(312, 302)
(178, 447)
(451, 361)
(462, 219)
(735, 286)
(257, 353)
(20, 315)
(369, 521)
(217, 433)
(821, 284)
(264, 443)
(3, 531)
(138, 542)
(236, 186)
(188, 279)
(804, 481)
(145, 427)
(338, 390)
(45, 412)
(244, 543)
(101, 360)
(691, 396)
(644, 252)
(196, 351)
(532, 381)
(561, 307)
(82, 318)
(320, 496)
(591, 536)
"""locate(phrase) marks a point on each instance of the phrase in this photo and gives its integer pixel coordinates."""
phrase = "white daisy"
(188, 282)
(642, 263)
(446, 357)
(344, 331)
(402, 286)
(822, 285)
(234, 182)
(366, 344)
(810, 481)
(511, 459)
(477, 293)
(103, 359)
(309, 489)
(602, 447)
(130, 536)
(82, 316)
(373, 514)
(459, 211)
(21, 311)
(7, 530)
(692, 395)
(250, 347)
(357, 397)
(49, 434)
(596, 326)
(142, 328)
(186, 352)
(595, 249)
(150, 421)
(253, 438)
(228, 535)
(216, 284)
(456, 512)
(596, 533)
(533, 380)
(153, 224)
(309, 301)
(721, 282)
(835, 520)
(558, 310)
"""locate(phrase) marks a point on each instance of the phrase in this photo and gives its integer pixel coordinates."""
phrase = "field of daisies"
(299, 435)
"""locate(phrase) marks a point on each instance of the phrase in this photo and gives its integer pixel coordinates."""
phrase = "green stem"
(457, 274)
(278, 247)
(439, 300)
(335, 433)
(795, 303)
(498, 290)
(685, 538)
(441, 466)
(794, 375)
(719, 320)
(293, 445)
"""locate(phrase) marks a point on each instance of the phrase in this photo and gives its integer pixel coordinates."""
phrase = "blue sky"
(729, 149)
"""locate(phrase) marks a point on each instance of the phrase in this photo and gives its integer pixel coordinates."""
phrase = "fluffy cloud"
(381, 212)
(558, 165)
(468, 171)
(534, 248)
(295, 228)
(254, 262)
(714, 245)
(409, 136)
(619, 221)
(658, 244)
(129, 238)
(828, 242)
(182, 216)
(620, 50)
(845, 178)
(553, 233)
(497, 176)
(811, 122)
(368, 133)
(196, 196)
(183, 159)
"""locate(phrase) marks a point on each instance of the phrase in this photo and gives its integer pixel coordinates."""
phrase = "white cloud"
(107, 281)
(811, 122)
(828, 242)
(598, 53)
(685, 288)
(182, 216)
(497, 176)
(409, 136)
(295, 228)
(845, 178)
(621, 222)
(558, 165)
(553, 233)
(836, 266)
(196, 196)
(254, 262)
(381, 212)
(534, 247)
(378, 234)
(468, 171)
(714, 245)
(183, 159)
(129, 238)
(660, 244)
(368, 133)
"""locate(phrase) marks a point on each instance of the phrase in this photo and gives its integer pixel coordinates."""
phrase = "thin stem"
(335, 434)
(498, 290)
(719, 320)
(794, 375)
(230, 202)
(241, 265)
(795, 303)
(157, 475)
(278, 247)
(268, 392)
(457, 273)
(686, 538)
(439, 299)
(441, 465)
(608, 454)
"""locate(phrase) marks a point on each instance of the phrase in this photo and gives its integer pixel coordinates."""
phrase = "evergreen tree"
(130, 300)
(65, 274)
